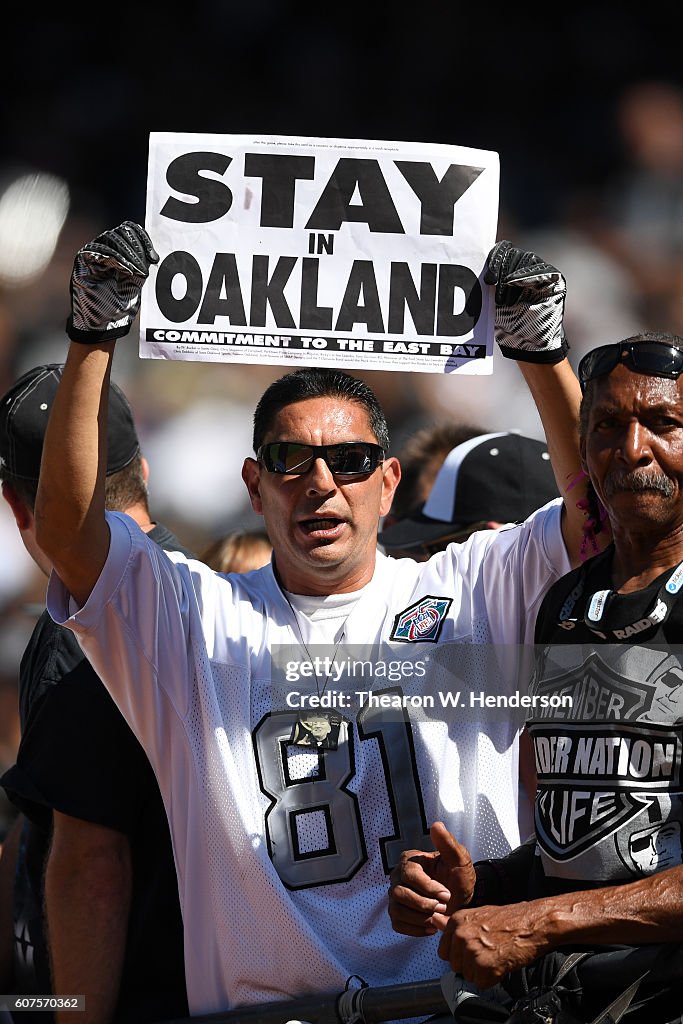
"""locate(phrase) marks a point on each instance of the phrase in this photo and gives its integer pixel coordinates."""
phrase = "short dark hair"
(317, 382)
(122, 489)
(126, 488)
(421, 458)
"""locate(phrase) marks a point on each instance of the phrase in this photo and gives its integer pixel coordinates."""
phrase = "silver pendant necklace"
(317, 728)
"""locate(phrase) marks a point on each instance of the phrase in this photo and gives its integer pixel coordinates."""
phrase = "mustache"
(637, 480)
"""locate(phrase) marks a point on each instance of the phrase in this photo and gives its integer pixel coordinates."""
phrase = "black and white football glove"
(530, 296)
(106, 282)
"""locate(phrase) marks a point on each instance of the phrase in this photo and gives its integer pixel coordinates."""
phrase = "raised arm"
(70, 524)
(557, 394)
(107, 279)
(530, 295)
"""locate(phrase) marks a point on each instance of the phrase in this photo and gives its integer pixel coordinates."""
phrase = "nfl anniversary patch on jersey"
(422, 621)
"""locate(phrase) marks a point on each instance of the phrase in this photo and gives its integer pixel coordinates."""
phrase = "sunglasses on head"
(350, 458)
(652, 357)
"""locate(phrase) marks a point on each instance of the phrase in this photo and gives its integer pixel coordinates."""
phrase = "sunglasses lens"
(351, 459)
(287, 457)
(597, 363)
(663, 360)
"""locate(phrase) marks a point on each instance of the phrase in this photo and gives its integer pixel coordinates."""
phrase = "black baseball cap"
(24, 412)
(500, 477)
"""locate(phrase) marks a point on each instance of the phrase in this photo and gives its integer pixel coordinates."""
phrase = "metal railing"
(364, 1005)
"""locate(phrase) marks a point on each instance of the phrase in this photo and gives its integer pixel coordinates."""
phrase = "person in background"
(421, 457)
(82, 781)
(238, 551)
(484, 482)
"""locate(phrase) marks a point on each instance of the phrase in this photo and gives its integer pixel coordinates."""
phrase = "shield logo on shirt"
(421, 622)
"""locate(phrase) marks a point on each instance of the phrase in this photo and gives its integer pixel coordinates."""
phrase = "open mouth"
(322, 526)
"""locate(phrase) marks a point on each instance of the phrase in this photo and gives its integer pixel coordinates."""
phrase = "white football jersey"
(283, 848)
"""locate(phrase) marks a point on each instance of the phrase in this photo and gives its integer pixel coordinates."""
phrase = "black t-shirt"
(78, 756)
(561, 617)
(609, 806)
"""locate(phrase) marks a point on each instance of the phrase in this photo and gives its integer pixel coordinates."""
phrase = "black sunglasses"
(652, 357)
(350, 458)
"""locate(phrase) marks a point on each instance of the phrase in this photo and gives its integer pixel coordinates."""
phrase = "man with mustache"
(638, 480)
(606, 863)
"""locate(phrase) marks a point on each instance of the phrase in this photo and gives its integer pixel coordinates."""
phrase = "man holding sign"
(283, 849)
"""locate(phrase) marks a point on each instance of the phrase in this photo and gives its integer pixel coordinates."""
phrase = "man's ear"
(391, 475)
(22, 513)
(251, 474)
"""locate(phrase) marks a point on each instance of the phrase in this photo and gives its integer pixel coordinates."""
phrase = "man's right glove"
(106, 282)
(530, 296)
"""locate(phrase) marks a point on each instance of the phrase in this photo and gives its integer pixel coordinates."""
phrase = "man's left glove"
(106, 282)
(530, 296)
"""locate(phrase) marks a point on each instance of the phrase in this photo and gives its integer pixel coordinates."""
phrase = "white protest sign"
(366, 255)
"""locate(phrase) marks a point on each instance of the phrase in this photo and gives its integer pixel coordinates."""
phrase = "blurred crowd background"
(584, 106)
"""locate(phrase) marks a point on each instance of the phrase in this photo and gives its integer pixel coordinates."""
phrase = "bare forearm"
(87, 902)
(649, 910)
(484, 943)
(70, 524)
(557, 394)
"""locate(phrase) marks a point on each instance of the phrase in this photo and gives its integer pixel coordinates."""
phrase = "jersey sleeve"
(514, 570)
(142, 625)
(539, 559)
